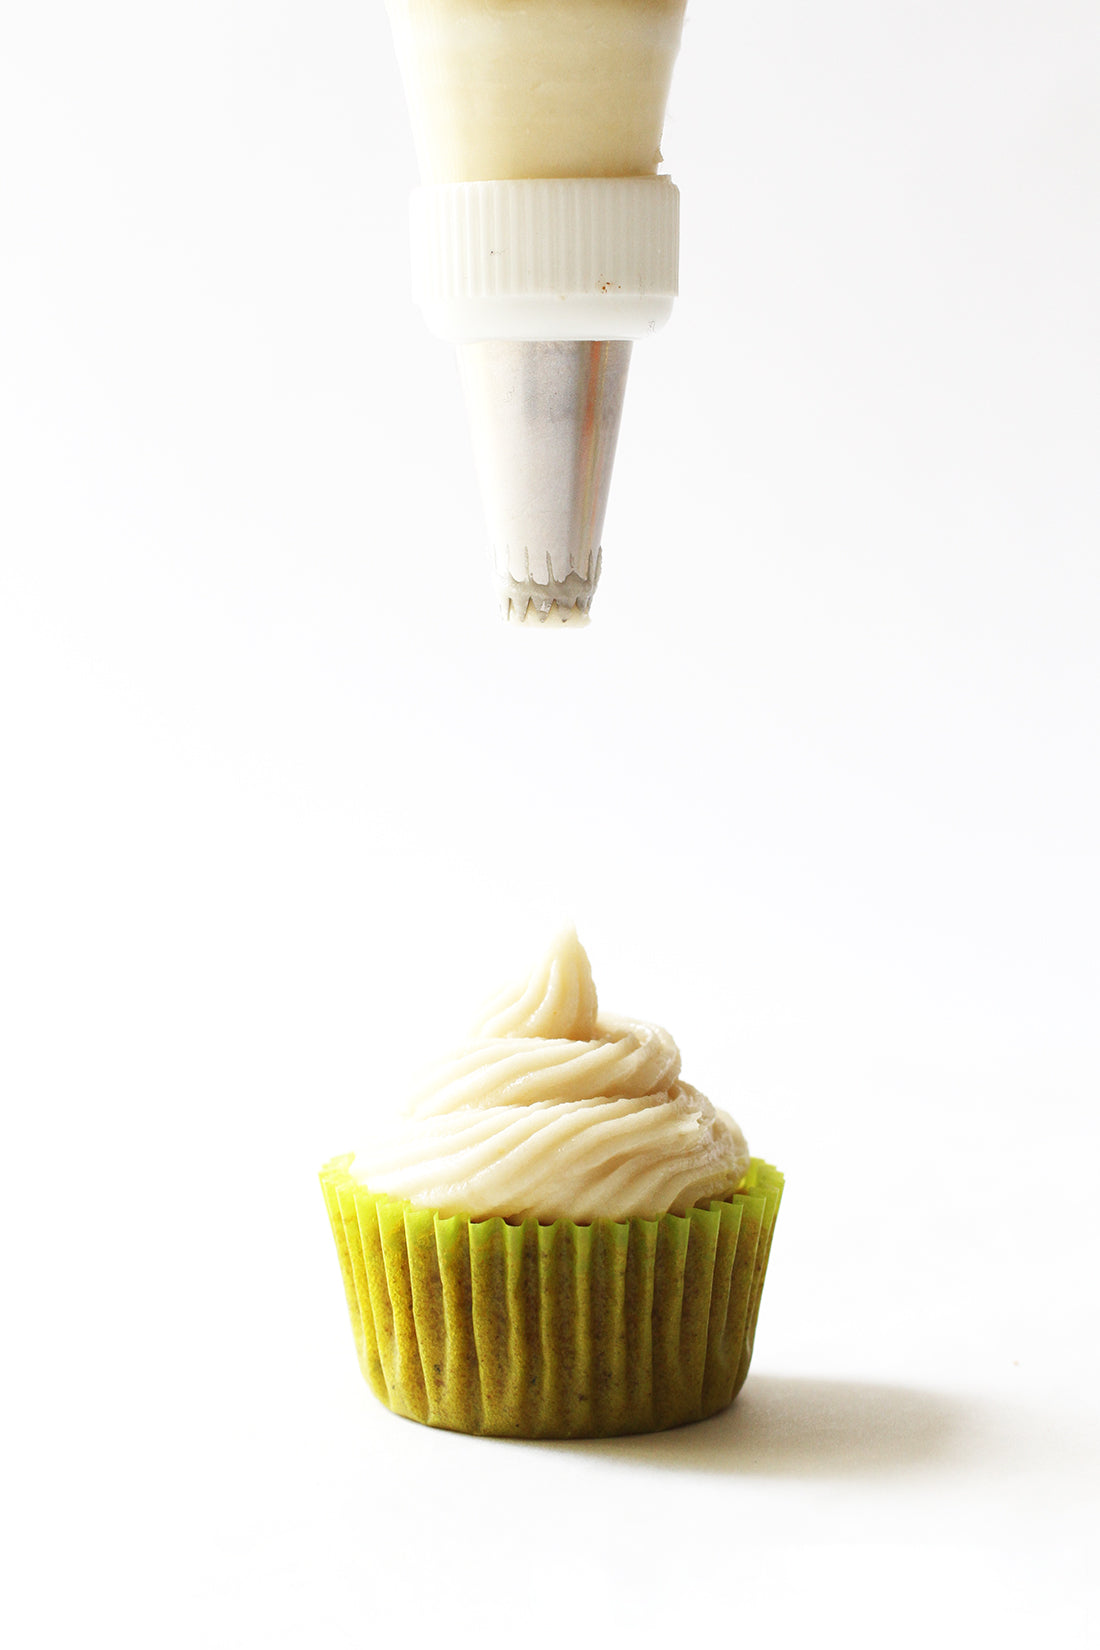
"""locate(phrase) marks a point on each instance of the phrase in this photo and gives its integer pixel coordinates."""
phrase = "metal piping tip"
(544, 418)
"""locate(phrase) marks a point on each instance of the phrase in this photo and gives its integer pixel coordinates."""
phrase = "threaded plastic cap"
(546, 259)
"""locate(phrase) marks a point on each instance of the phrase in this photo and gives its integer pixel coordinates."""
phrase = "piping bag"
(544, 242)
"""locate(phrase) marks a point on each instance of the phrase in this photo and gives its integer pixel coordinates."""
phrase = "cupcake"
(562, 1239)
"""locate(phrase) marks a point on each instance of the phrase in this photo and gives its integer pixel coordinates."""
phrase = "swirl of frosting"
(554, 1113)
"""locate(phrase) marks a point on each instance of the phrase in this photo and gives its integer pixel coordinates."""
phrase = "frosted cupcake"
(562, 1239)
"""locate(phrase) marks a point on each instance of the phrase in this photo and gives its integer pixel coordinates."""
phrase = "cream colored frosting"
(537, 88)
(552, 1111)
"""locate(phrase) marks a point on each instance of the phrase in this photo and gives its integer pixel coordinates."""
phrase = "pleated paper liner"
(555, 1331)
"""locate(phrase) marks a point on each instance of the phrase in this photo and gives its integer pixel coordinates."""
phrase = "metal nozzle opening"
(544, 418)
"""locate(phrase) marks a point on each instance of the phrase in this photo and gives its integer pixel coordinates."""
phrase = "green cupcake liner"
(553, 1331)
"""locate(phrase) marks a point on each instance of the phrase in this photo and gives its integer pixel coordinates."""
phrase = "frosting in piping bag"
(552, 1111)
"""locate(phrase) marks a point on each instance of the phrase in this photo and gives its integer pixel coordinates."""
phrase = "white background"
(283, 800)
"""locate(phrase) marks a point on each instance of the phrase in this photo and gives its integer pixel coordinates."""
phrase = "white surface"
(819, 785)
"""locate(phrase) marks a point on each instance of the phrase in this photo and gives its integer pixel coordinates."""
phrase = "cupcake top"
(554, 1111)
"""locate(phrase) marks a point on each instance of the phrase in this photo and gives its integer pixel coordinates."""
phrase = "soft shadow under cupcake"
(800, 1426)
